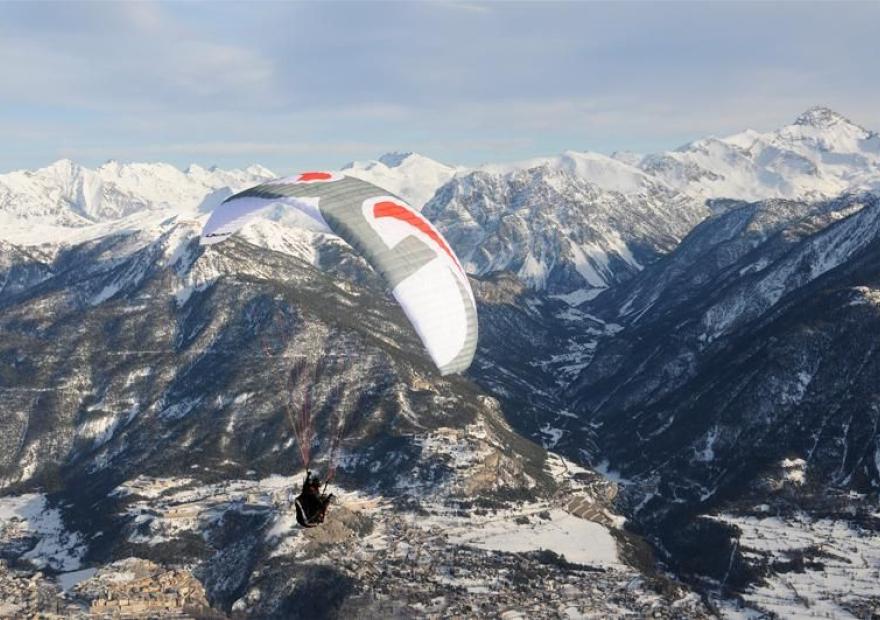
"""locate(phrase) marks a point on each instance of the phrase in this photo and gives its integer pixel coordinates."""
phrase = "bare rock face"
(557, 230)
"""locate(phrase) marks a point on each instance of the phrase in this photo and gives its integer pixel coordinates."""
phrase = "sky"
(300, 85)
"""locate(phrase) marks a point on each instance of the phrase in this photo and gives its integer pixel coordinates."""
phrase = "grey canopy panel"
(410, 254)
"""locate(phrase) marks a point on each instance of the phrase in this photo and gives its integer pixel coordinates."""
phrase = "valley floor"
(373, 558)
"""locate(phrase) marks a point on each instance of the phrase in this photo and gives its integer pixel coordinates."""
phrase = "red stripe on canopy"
(386, 208)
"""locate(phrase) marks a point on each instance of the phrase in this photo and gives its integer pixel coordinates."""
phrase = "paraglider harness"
(311, 504)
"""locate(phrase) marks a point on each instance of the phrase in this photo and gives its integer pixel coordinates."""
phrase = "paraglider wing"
(422, 271)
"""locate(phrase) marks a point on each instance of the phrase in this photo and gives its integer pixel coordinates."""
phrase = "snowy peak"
(395, 159)
(256, 170)
(822, 128)
(66, 202)
(411, 176)
(561, 224)
(582, 219)
(609, 174)
(826, 131)
(628, 157)
(821, 155)
(63, 167)
(821, 117)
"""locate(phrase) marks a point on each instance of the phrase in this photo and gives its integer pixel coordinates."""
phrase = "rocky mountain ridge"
(820, 155)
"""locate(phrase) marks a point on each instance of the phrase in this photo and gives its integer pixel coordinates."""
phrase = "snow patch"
(25, 516)
(578, 540)
(842, 577)
(795, 470)
(576, 298)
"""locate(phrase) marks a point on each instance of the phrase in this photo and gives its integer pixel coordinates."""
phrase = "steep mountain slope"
(144, 382)
(21, 268)
(582, 221)
(739, 400)
(129, 344)
(557, 230)
(744, 347)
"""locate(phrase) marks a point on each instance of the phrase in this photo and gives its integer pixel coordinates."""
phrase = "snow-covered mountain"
(144, 394)
(606, 173)
(569, 224)
(725, 379)
(820, 155)
(743, 379)
(66, 202)
(773, 289)
(581, 221)
(411, 176)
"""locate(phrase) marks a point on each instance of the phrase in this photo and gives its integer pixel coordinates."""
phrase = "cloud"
(131, 54)
(470, 7)
(250, 149)
(462, 81)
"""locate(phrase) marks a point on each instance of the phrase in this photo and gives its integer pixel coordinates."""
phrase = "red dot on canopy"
(315, 176)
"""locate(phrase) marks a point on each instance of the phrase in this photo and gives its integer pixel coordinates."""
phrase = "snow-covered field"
(28, 519)
(162, 509)
(165, 508)
(578, 540)
(838, 578)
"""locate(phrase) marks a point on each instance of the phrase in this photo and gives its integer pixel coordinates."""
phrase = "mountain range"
(678, 349)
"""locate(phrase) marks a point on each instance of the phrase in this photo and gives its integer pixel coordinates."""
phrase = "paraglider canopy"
(423, 273)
